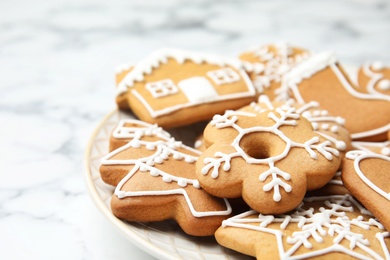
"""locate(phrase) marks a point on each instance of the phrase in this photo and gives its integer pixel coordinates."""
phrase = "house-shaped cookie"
(175, 87)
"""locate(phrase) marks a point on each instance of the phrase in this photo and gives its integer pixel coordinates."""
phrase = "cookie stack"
(293, 163)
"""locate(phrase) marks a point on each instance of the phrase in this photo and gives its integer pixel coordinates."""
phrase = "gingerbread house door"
(198, 90)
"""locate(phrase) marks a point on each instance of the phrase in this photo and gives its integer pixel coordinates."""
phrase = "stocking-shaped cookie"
(320, 78)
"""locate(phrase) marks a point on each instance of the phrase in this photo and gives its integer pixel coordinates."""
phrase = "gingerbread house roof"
(155, 59)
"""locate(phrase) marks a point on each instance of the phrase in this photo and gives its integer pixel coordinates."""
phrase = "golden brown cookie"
(155, 178)
(271, 63)
(174, 87)
(327, 227)
(367, 177)
(270, 158)
(320, 78)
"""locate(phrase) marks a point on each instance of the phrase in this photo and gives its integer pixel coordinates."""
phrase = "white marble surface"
(57, 61)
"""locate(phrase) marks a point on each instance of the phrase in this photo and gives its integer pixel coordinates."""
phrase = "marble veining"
(57, 63)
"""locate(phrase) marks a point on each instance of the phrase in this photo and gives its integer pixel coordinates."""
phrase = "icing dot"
(340, 145)
(385, 151)
(182, 183)
(306, 114)
(167, 178)
(198, 144)
(196, 184)
(377, 65)
(189, 159)
(384, 84)
(158, 160)
(340, 120)
(150, 147)
(143, 168)
(177, 156)
(324, 113)
(334, 129)
(315, 125)
(135, 144)
(316, 113)
(154, 172)
(150, 163)
(164, 155)
(277, 197)
(325, 126)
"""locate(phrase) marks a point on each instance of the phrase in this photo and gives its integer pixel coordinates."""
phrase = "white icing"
(331, 219)
(357, 156)
(284, 116)
(163, 149)
(198, 143)
(161, 88)
(384, 84)
(223, 76)
(377, 65)
(198, 90)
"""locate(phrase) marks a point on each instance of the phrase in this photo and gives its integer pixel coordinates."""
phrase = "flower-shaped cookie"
(270, 159)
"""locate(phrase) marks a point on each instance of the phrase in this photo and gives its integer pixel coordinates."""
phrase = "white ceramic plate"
(164, 240)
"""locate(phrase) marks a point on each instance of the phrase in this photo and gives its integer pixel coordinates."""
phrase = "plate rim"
(119, 225)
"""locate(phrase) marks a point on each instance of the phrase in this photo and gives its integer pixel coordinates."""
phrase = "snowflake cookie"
(366, 175)
(155, 180)
(269, 158)
(327, 227)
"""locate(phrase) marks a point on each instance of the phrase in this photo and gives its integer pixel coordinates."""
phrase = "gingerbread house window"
(223, 76)
(162, 88)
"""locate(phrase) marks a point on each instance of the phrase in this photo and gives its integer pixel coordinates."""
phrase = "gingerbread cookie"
(272, 62)
(270, 158)
(367, 176)
(320, 78)
(175, 87)
(327, 227)
(155, 178)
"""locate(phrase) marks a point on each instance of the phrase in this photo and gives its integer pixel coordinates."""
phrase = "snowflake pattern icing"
(331, 219)
(284, 116)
